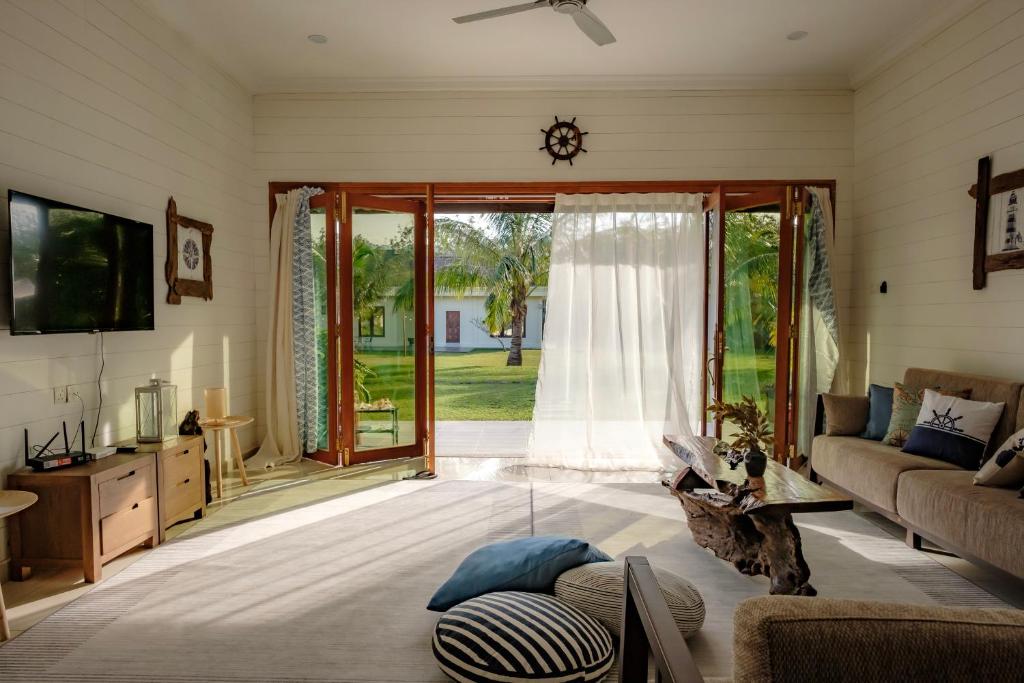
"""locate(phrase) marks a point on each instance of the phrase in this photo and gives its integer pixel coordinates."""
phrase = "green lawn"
(469, 386)
(479, 386)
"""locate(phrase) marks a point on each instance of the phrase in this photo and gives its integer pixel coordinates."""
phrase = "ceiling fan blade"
(592, 26)
(490, 14)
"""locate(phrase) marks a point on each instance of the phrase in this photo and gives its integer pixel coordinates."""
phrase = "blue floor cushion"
(513, 636)
(524, 564)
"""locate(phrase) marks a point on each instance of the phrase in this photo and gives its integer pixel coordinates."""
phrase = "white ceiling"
(382, 44)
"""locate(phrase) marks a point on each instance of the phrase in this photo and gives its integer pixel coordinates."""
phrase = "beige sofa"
(931, 498)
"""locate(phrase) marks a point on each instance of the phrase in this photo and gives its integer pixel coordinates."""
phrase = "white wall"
(471, 308)
(634, 135)
(102, 106)
(920, 127)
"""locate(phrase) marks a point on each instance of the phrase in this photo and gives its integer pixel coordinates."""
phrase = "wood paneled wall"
(101, 105)
(920, 126)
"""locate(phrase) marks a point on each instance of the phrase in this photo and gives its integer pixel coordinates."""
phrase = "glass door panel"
(750, 322)
(323, 226)
(383, 344)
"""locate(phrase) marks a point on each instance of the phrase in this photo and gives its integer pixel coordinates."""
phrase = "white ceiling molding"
(560, 83)
(911, 39)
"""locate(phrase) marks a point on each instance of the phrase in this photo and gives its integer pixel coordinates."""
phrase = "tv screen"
(77, 270)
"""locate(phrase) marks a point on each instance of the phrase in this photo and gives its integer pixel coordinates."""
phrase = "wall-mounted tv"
(77, 270)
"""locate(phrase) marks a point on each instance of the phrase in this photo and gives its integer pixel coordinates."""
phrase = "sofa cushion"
(953, 429)
(879, 412)
(1006, 467)
(845, 415)
(983, 521)
(991, 389)
(779, 639)
(868, 469)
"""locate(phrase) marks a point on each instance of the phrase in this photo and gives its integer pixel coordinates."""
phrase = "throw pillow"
(845, 415)
(525, 564)
(1006, 467)
(906, 406)
(596, 589)
(953, 429)
(521, 637)
(879, 412)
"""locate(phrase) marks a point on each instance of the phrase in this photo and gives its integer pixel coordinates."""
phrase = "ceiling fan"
(577, 9)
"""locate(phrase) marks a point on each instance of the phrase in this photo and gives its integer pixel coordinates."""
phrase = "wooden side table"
(11, 503)
(230, 424)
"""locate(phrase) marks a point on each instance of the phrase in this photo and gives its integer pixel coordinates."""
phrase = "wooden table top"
(784, 489)
(86, 469)
(12, 502)
(229, 422)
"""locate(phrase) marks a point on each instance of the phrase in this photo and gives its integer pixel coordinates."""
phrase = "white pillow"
(1006, 467)
(953, 429)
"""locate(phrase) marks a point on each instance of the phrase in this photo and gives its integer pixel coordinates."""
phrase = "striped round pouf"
(596, 589)
(516, 636)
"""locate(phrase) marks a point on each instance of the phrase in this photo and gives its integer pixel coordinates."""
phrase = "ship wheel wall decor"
(563, 141)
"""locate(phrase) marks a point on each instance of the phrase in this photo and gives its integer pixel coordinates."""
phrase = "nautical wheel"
(945, 421)
(563, 141)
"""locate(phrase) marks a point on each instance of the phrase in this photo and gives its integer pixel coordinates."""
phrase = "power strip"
(102, 452)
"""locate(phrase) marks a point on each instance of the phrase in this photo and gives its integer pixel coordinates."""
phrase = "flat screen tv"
(77, 270)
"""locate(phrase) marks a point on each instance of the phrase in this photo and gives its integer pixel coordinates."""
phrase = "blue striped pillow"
(515, 636)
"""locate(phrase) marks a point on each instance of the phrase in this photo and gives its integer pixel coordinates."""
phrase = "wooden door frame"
(509, 193)
(347, 435)
(329, 201)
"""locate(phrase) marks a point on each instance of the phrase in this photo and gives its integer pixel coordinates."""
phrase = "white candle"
(216, 402)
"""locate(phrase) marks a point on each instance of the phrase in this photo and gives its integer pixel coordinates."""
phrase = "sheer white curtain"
(621, 360)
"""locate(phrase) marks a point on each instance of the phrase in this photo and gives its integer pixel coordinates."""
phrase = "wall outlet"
(60, 395)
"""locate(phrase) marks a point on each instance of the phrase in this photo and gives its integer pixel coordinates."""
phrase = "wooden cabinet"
(86, 515)
(182, 477)
(90, 514)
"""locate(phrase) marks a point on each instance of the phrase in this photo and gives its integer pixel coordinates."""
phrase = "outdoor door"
(382, 332)
(453, 327)
(752, 267)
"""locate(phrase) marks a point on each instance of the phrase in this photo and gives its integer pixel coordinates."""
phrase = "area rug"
(335, 590)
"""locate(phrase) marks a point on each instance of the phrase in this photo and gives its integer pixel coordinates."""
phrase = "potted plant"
(755, 431)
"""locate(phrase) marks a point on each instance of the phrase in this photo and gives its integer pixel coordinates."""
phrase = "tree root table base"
(762, 544)
(749, 522)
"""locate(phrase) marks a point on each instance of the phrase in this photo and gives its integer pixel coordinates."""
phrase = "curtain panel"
(290, 398)
(819, 367)
(621, 357)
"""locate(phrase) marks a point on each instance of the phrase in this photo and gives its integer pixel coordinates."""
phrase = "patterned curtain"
(304, 325)
(819, 316)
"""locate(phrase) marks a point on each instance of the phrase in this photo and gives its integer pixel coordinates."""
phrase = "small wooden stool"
(11, 503)
(230, 424)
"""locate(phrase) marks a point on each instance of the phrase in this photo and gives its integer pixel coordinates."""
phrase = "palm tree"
(508, 257)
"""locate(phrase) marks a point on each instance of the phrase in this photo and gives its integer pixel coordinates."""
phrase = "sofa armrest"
(778, 639)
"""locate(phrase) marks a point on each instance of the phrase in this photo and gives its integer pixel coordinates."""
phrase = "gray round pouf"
(596, 589)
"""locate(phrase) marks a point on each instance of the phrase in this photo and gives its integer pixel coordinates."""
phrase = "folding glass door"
(371, 326)
(750, 304)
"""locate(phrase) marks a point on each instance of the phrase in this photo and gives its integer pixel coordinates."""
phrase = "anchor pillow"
(953, 429)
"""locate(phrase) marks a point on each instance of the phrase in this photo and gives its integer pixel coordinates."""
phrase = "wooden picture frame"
(178, 287)
(987, 187)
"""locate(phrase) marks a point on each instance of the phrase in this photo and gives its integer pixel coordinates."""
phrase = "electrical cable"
(99, 391)
(81, 418)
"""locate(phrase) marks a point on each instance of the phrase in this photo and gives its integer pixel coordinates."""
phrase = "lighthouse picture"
(1012, 241)
(1004, 234)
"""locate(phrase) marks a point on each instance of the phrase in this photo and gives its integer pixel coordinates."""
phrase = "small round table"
(11, 503)
(230, 424)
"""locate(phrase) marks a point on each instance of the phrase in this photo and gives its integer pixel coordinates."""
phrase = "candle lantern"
(156, 412)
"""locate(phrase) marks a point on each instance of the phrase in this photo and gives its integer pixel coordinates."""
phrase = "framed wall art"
(998, 241)
(189, 268)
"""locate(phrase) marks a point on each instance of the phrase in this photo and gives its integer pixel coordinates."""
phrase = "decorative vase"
(756, 462)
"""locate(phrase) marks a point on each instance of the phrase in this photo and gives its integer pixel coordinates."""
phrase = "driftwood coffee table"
(749, 523)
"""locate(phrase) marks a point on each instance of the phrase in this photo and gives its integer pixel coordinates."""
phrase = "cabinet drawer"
(126, 490)
(182, 465)
(183, 496)
(126, 525)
